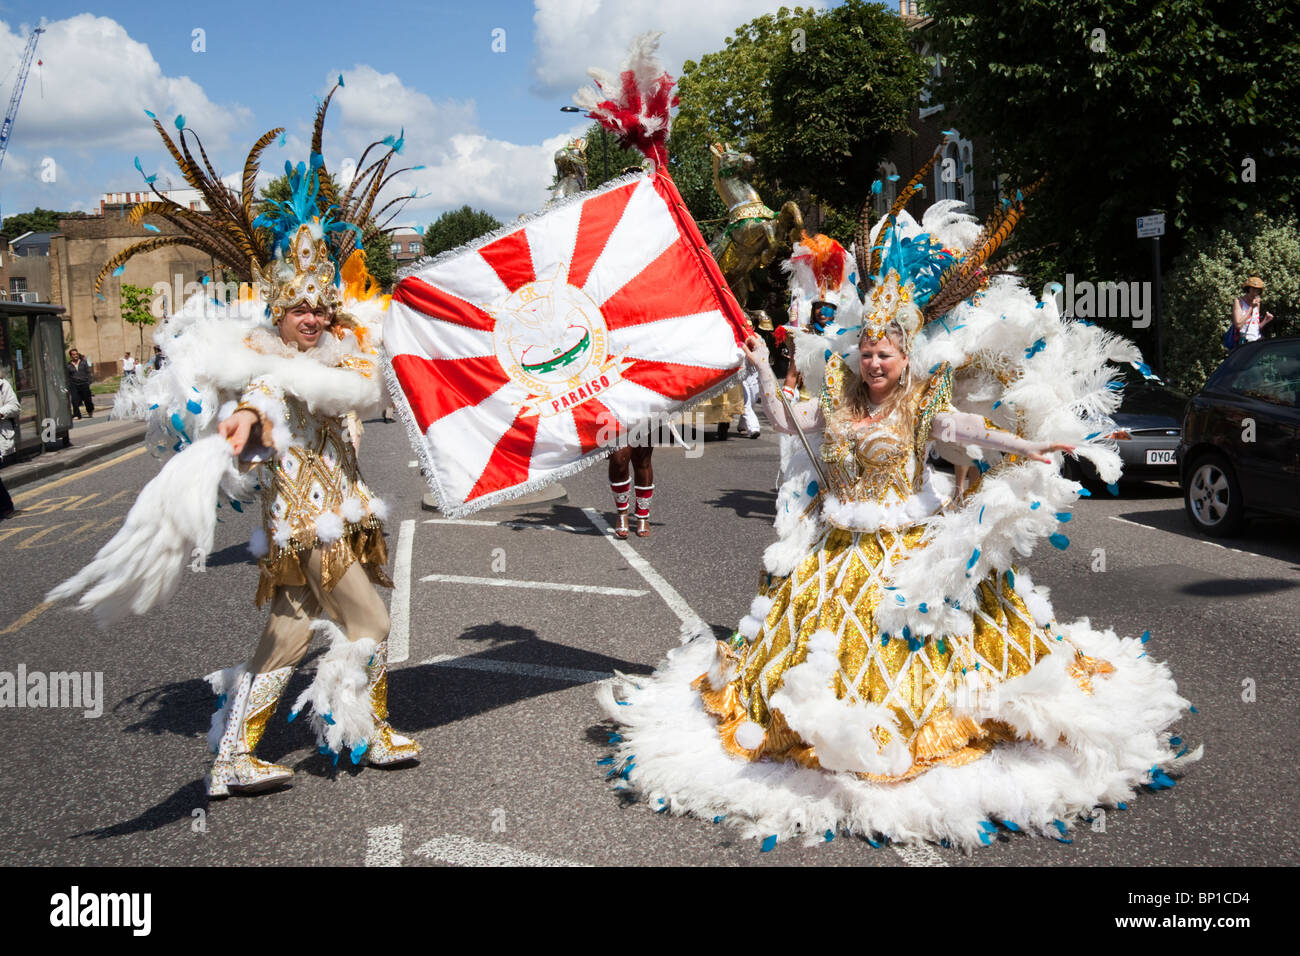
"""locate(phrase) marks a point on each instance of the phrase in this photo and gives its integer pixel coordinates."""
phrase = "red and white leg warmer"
(622, 495)
(643, 495)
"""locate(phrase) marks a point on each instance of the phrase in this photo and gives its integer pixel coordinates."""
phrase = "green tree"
(838, 99)
(726, 97)
(814, 97)
(379, 257)
(38, 220)
(1209, 274)
(135, 309)
(1178, 106)
(459, 226)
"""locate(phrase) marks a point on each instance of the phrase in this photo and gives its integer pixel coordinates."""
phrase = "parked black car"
(1147, 426)
(1240, 451)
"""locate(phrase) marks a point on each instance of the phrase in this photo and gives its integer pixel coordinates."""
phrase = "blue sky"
(484, 123)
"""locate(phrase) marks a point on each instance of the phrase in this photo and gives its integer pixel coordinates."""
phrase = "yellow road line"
(28, 495)
(26, 618)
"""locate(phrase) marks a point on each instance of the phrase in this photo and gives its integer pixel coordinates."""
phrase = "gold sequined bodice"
(879, 460)
(318, 474)
(871, 461)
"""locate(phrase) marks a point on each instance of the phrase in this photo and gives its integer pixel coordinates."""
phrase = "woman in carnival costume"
(898, 675)
(257, 396)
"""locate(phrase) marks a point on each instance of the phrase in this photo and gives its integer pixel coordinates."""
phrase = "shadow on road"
(1244, 587)
(1133, 491)
(179, 806)
(235, 554)
(1266, 537)
(556, 515)
(746, 503)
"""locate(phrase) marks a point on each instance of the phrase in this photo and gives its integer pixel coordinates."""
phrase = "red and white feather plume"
(635, 104)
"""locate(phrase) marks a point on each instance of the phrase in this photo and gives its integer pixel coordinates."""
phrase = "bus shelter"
(32, 359)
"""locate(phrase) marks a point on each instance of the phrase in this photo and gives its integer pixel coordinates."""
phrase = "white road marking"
(384, 846)
(676, 603)
(1147, 527)
(463, 851)
(479, 523)
(399, 613)
(538, 585)
(412, 463)
(572, 675)
(920, 855)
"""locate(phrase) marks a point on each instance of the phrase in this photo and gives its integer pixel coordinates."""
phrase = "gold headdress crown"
(891, 303)
(305, 275)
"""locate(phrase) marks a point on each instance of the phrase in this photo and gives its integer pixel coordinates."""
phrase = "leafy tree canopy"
(1178, 106)
(457, 227)
(38, 220)
(814, 97)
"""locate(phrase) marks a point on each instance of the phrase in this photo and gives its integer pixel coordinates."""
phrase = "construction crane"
(20, 81)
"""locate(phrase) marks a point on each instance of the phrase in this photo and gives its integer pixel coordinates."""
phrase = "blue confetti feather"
(1059, 541)
(768, 844)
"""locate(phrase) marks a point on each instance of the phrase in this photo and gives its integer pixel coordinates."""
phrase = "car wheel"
(1212, 496)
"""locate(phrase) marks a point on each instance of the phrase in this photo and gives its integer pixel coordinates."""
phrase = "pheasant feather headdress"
(915, 280)
(294, 250)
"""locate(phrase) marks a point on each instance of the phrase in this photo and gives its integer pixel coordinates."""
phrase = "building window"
(395, 248)
(412, 247)
(954, 173)
(928, 107)
(17, 284)
(887, 173)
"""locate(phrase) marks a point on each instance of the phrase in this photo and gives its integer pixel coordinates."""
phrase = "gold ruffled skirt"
(362, 541)
(837, 588)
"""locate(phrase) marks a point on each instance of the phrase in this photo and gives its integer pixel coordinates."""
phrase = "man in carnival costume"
(257, 395)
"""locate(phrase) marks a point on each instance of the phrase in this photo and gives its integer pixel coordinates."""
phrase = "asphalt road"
(498, 681)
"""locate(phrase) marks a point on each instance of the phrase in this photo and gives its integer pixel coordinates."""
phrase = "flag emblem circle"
(550, 337)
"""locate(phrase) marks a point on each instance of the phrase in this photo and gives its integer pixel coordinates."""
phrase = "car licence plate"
(1160, 456)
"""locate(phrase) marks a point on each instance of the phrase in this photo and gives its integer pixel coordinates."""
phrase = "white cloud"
(97, 82)
(462, 164)
(572, 35)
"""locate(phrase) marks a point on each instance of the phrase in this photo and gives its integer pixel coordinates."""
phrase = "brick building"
(77, 252)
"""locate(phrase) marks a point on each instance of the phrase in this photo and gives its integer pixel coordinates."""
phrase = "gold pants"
(353, 603)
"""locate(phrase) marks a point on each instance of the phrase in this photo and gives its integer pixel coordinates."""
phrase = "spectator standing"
(79, 376)
(9, 409)
(158, 358)
(1247, 322)
(128, 366)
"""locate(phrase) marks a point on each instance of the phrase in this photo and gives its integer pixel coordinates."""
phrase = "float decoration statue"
(754, 236)
(570, 169)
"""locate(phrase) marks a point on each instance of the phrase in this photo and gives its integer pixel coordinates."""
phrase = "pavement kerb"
(30, 472)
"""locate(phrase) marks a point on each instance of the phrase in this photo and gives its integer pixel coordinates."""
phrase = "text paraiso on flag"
(521, 358)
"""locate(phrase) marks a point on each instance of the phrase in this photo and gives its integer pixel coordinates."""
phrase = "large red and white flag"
(520, 358)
